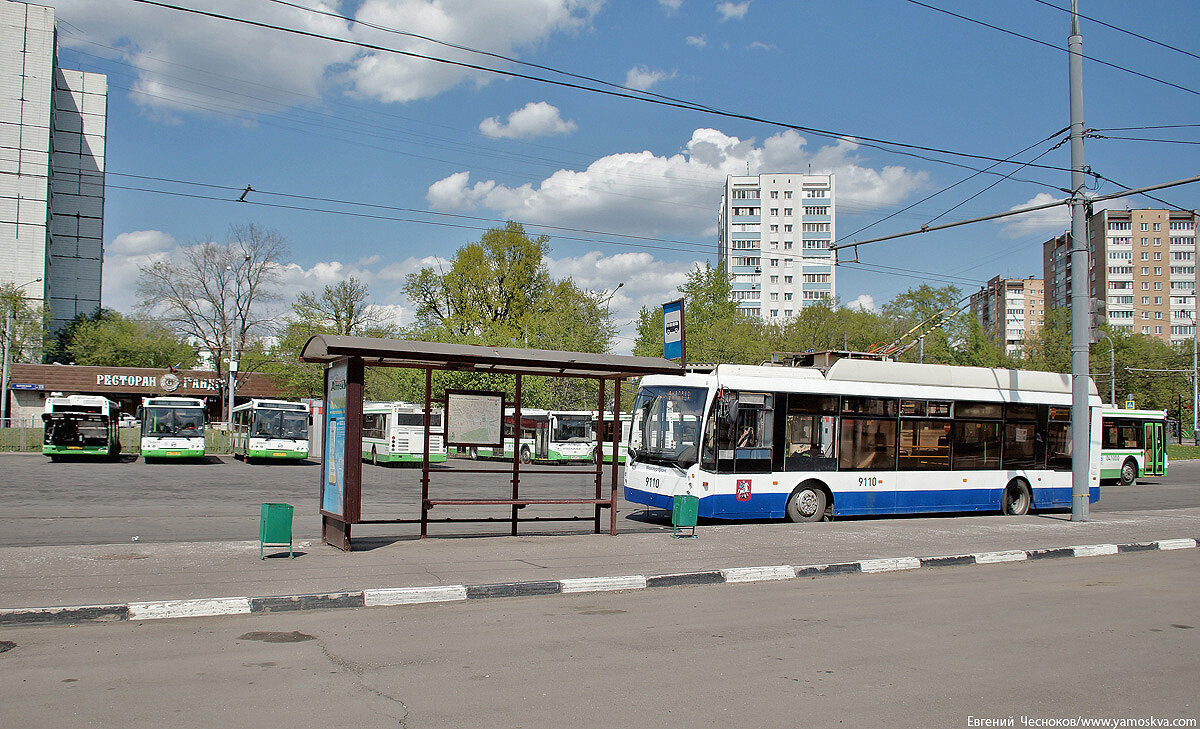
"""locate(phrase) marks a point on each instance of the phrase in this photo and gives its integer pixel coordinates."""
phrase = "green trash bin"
(684, 508)
(275, 528)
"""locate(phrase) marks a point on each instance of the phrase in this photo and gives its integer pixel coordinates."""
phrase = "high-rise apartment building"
(1142, 265)
(52, 129)
(1010, 309)
(773, 234)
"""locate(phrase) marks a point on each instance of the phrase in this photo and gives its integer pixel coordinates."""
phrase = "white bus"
(80, 425)
(866, 437)
(1133, 445)
(394, 432)
(271, 429)
(553, 436)
(172, 427)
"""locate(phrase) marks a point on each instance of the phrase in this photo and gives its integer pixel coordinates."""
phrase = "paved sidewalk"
(40, 577)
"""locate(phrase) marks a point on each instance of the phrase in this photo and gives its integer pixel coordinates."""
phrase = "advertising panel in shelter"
(333, 492)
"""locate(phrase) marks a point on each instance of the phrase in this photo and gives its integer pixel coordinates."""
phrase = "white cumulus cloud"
(644, 78)
(732, 10)
(674, 195)
(1050, 221)
(187, 63)
(535, 119)
(864, 302)
(696, 41)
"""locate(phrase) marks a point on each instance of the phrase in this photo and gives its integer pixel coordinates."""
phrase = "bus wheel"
(474, 454)
(526, 456)
(807, 503)
(374, 457)
(1016, 499)
(1128, 472)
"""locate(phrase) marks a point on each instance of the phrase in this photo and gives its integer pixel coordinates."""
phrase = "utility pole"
(1080, 293)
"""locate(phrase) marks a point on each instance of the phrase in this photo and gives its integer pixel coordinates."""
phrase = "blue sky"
(447, 152)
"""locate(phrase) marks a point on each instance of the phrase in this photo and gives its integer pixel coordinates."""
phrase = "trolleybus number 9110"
(868, 481)
(652, 483)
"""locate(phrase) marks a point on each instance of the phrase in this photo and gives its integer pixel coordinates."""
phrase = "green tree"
(938, 314)
(715, 331)
(344, 309)
(1049, 347)
(22, 324)
(498, 291)
(113, 340)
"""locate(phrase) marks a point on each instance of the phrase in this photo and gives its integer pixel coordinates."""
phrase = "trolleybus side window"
(1123, 434)
(868, 443)
(809, 430)
(1058, 439)
(1024, 441)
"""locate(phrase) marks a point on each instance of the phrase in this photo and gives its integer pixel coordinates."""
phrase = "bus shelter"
(475, 417)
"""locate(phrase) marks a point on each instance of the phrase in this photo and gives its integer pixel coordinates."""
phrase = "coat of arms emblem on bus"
(743, 489)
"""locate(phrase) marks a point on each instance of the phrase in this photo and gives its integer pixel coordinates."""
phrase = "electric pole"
(1080, 294)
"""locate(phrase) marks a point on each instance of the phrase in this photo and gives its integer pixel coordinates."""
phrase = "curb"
(207, 607)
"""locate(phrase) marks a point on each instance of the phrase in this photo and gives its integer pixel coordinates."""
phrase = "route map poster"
(474, 418)
(333, 485)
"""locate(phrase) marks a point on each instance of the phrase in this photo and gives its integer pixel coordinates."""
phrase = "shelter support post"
(616, 441)
(516, 477)
(425, 458)
(599, 456)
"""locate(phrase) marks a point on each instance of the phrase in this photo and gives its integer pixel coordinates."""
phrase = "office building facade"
(773, 235)
(52, 134)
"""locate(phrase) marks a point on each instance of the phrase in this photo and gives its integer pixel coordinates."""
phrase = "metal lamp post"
(8, 322)
(233, 365)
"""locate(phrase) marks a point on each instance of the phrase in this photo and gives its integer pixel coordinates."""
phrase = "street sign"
(1129, 404)
(673, 342)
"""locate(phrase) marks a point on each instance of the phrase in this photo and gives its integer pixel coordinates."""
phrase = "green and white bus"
(394, 432)
(606, 435)
(172, 427)
(1133, 444)
(548, 436)
(271, 429)
(80, 425)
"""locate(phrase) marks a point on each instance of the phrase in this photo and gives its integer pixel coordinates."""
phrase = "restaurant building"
(31, 384)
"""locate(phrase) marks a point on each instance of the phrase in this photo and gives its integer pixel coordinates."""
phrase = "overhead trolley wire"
(1044, 43)
(1119, 29)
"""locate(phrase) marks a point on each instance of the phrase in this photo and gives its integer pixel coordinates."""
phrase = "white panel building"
(773, 235)
(52, 128)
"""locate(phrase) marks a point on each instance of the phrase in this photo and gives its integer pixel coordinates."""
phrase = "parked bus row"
(870, 437)
(173, 428)
(557, 436)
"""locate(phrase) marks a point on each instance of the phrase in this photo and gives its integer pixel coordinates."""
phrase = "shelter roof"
(476, 358)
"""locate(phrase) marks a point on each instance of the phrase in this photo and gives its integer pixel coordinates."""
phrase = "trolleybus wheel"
(1016, 499)
(807, 503)
(374, 457)
(1128, 472)
(474, 454)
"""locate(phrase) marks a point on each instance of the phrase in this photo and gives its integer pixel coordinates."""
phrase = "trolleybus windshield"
(666, 425)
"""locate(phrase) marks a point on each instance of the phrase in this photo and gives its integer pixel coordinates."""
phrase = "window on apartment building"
(787, 229)
(774, 261)
(1145, 241)
(745, 193)
(1158, 330)
(1145, 226)
(1158, 255)
(774, 312)
(787, 194)
(787, 211)
(1145, 286)
(774, 296)
(1158, 315)
(816, 193)
(787, 312)
(1158, 241)
(1158, 226)
(774, 228)
(1145, 299)
(1145, 330)
(787, 244)
(1158, 270)
(774, 279)
(1180, 225)
(816, 243)
(787, 279)
(1145, 270)
(774, 194)
(774, 211)
(787, 296)
(1158, 285)
(1145, 255)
